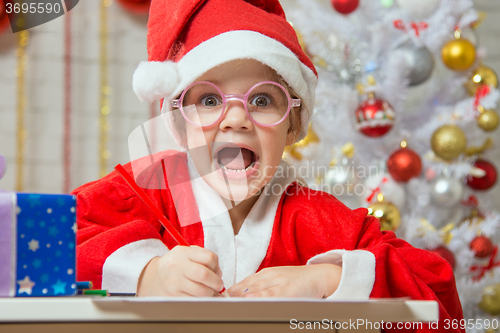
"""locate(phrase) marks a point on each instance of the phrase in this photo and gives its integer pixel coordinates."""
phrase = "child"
(237, 88)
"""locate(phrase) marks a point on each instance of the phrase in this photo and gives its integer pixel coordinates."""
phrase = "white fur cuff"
(122, 269)
(358, 272)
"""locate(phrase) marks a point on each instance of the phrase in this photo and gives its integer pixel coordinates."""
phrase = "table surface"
(206, 310)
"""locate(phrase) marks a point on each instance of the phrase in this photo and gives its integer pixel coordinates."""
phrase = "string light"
(105, 91)
(22, 63)
(67, 104)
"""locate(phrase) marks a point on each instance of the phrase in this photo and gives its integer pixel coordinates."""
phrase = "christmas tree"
(402, 125)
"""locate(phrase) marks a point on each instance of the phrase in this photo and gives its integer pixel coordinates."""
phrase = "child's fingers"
(203, 275)
(269, 292)
(237, 290)
(197, 289)
(204, 257)
(178, 294)
(255, 290)
(218, 272)
(252, 284)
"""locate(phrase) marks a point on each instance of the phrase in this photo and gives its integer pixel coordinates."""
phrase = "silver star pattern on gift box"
(46, 226)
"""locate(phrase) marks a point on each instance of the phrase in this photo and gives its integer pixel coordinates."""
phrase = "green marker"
(96, 292)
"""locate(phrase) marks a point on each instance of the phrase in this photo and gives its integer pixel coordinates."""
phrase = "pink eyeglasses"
(203, 104)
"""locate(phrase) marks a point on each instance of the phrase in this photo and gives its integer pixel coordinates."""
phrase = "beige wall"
(44, 86)
(44, 112)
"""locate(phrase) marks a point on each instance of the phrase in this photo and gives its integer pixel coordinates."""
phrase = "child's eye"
(261, 101)
(210, 101)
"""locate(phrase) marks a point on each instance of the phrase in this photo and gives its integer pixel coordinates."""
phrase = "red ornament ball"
(374, 117)
(482, 246)
(485, 182)
(345, 6)
(404, 164)
(443, 252)
(136, 6)
(4, 19)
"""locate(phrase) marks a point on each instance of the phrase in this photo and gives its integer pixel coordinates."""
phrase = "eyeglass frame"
(243, 98)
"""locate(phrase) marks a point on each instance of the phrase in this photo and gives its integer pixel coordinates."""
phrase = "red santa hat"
(186, 38)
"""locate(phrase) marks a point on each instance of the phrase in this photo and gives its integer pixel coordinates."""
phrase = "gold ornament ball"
(482, 75)
(387, 213)
(490, 302)
(448, 142)
(458, 54)
(488, 120)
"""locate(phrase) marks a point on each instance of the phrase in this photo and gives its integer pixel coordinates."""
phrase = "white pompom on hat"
(187, 38)
(153, 80)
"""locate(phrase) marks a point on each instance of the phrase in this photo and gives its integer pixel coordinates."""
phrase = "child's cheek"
(196, 137)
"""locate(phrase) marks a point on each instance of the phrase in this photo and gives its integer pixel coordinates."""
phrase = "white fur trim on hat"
(154, 80)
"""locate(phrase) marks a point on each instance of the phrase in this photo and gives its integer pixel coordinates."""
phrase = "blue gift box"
(37, 244)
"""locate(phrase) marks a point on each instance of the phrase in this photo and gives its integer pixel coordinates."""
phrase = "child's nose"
(236, 117)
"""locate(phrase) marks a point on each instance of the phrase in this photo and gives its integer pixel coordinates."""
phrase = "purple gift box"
(37, 244)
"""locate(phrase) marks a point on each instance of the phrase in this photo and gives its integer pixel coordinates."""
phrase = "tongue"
(235, 158)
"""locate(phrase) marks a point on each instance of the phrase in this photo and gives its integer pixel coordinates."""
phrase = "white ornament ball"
(341, 180)
(393, 192)
(446, 192)
(418, 9)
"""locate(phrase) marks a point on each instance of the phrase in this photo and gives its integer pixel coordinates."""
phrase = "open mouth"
(236, 159)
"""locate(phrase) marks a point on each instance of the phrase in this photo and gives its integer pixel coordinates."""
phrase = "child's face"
(235, 156)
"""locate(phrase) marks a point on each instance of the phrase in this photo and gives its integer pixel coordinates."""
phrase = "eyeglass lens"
(203, 104)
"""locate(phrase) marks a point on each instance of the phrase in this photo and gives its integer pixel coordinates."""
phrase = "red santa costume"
(288, 225)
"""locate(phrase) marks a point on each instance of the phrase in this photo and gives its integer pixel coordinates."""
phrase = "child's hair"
(294, 116)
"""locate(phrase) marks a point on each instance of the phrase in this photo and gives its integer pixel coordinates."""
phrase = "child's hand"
(290, 281)
(183, 271)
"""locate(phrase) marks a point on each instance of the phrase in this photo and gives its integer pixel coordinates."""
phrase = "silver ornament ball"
(418, 9)
(420, 61)
(340, 180)
(446, 192)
